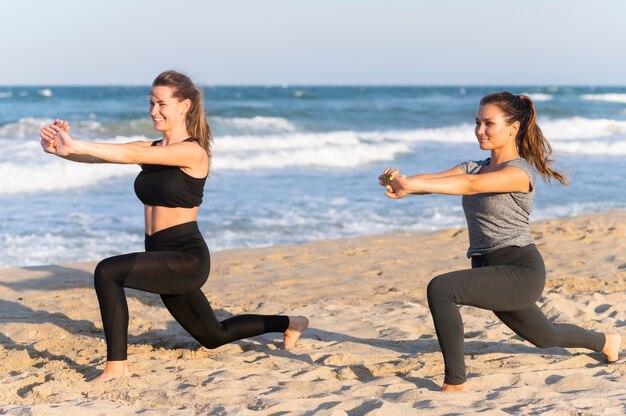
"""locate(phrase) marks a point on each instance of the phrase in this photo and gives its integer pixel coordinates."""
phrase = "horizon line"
(323, 85)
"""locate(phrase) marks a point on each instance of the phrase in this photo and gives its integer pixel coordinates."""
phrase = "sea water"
(291, 164)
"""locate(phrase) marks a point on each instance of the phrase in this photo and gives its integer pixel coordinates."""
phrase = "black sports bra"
(168, 186)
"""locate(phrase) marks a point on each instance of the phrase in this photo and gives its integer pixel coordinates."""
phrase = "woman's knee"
(211, 343)
(436, 289)
(436, 286)
(213, 340)
(106, 270)
(102, 270)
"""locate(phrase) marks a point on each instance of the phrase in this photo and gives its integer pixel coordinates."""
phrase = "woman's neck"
(175, 135)
(499, 156)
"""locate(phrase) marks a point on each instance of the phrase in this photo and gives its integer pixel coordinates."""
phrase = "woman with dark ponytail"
(176, 262)
(508, 273)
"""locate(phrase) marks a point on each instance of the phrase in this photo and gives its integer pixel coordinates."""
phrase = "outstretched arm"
(509, 179)
(399, 192)
(181, 154)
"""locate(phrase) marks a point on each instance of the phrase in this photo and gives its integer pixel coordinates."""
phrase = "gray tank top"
(496, 220)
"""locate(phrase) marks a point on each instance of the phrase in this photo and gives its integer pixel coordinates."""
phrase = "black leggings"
(507, 281)
(175, 265)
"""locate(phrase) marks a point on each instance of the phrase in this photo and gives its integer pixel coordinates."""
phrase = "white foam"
(537, 96)
(339, 201)
(249, 143)
(335, 156)
(592, 147)
(58, 175)
(24, 127)
(329, 223)
(463, 133)
(612, 98)
(46, 92)
(6, 94)
(57, 248)
(572, 209)
(582, 128)
(29, 127)
(25, 168)
(255, 124)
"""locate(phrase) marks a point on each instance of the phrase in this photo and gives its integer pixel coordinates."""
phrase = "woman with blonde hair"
(176, 262)
(508, 273)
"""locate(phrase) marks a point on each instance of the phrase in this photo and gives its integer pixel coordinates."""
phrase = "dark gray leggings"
(507, 281)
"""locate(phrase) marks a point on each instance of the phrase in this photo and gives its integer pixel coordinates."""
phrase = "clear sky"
(328, 42)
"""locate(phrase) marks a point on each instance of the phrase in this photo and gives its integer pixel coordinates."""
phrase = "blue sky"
(262, 42)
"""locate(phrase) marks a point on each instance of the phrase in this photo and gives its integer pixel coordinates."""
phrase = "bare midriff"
(160, 218)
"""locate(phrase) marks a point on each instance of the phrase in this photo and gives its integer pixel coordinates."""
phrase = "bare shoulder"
(192, 148)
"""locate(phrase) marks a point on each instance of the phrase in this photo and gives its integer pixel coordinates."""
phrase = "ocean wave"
(229, 143)
(29, 127)
(612, 98)
(462, 133)
(46, 92)
(58, 175)
(572, 209)
(255, 124)
(259, 132)
(6, 94)
(292, 224)
(538, 96)
(24, 127)
(337, 156)
(57, 248)
(582, 128)
(592, 147)
(24, 168)
(572, 128)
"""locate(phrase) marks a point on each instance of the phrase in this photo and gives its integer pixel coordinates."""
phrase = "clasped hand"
(54, 138)
(395, 183)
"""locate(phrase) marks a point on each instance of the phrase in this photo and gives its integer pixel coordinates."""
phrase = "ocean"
(291, 163)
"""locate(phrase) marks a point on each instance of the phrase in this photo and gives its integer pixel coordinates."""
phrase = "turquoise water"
(291, 164)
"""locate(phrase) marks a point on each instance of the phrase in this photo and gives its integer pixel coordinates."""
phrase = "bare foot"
(611, 346)
(297, 325)
(113, 370)
(453, 388)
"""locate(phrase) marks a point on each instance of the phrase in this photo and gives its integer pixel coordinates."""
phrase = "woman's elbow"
(471, 187)
(133, 156)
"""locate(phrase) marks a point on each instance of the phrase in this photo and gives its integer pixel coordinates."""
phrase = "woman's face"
(167, 112)
(493, 130)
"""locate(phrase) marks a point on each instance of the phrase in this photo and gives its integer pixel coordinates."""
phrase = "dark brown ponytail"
(530, 141)
(196, 121)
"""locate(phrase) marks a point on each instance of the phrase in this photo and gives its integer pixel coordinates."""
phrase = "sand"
(371, 348)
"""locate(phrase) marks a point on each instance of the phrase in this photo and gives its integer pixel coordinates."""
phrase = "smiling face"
(493, 130)
(167, 112)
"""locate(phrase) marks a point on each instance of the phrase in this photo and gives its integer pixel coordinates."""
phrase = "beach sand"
(371, 347)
